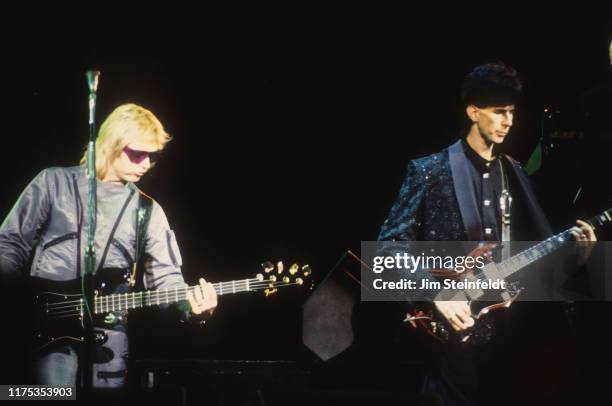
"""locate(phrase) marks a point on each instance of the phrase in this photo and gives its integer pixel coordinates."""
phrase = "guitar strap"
(505, 205)
(143, 216)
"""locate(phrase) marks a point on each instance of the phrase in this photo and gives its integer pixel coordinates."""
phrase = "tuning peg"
(299, 281)
(286, 279)
(294, 269)
(306, 271)
(280, 267)
(259, 277)
(272, 278)
(267, 266)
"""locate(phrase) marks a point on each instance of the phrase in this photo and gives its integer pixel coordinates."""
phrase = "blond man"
(49, 222)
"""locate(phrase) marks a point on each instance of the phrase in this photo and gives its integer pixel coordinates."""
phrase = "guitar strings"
(242, 284)
(162, 296)
(74, 310)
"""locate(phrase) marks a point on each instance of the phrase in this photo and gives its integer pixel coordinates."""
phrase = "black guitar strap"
(143, 216)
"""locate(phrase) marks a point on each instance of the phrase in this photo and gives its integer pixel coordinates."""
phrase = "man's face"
(493, 122)
(133, 162)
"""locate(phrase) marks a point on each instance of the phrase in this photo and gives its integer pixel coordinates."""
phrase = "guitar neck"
(551, 244)
(135, 300)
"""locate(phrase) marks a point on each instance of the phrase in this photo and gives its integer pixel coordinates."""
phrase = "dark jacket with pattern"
(437, 201)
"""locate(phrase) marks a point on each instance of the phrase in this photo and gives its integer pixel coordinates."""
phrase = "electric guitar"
(480, 303)
(59, 307)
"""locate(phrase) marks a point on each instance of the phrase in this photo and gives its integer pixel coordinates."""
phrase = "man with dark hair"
(454, 195)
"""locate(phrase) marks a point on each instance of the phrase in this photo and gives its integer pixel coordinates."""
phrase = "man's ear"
(472, 112)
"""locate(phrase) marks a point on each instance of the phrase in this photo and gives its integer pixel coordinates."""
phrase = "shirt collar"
(479, 162)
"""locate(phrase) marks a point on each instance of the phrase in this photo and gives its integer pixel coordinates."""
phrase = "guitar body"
(483, 313)
(58, 309)
(483, 309)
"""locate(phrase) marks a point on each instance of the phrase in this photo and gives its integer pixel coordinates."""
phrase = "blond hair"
(126, 124)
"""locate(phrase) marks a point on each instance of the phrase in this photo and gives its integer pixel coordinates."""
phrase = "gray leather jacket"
(50, 215)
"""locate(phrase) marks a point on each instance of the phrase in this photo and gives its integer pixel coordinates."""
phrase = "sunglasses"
(137, 157)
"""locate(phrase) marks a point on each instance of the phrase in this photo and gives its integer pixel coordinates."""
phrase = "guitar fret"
(233, 286)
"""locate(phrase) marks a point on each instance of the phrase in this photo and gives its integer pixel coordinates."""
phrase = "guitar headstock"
(274, 276)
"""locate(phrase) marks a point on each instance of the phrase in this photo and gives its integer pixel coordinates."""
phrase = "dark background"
(292, 123)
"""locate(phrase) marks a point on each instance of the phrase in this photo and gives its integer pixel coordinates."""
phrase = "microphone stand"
(88, 356)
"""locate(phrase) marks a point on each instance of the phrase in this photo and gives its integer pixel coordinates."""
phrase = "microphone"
(93, 77)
